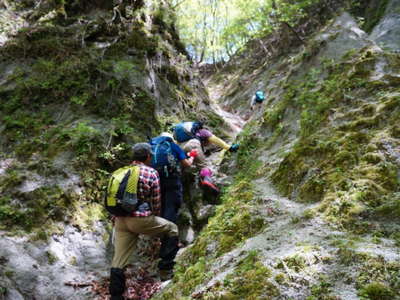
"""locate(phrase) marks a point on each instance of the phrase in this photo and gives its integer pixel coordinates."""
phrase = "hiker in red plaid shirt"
(145, 220)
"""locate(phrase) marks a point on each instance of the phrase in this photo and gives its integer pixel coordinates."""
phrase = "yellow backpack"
(121, 195)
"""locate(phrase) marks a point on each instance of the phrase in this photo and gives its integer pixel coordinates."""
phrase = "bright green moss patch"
(186, 279)
(376, 291)
(235, 220)
(378, 277)
(33, 208)
(295, 262)
(322, 290)
(249, 280)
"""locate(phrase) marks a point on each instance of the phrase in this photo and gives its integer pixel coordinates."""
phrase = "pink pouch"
(205, 172)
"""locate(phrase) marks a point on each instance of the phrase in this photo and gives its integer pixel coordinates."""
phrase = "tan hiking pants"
(127, 230)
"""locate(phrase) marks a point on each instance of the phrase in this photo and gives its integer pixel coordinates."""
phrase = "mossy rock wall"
(82, 83)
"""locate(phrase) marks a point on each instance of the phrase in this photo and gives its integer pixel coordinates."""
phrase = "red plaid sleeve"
(149, 191)
(156, 194)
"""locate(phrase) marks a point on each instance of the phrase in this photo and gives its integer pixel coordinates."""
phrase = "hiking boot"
(166, 275)
(208, 186)
(117, 283)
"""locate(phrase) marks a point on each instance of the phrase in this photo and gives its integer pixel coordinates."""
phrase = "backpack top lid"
(185, 131)
(163, 155)
(260, 94)
(159, 139)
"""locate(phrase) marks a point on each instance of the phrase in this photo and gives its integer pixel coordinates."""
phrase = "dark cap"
(141, 150)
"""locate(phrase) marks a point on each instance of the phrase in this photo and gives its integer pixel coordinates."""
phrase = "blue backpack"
(260, 96)
(186, 130)
(163, 159)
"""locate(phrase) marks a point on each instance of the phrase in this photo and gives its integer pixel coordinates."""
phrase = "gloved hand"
(193, 153)
(234, 148)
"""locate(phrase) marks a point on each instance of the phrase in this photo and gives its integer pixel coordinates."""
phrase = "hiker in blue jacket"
(257, 99)
(168, 160)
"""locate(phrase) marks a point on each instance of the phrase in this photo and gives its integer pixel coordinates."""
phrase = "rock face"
(386, 33)
(342, 36)
(44, 270)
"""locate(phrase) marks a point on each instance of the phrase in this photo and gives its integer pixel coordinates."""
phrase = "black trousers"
(171, 201)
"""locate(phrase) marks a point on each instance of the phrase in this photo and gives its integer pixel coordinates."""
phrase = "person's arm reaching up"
(217, 141)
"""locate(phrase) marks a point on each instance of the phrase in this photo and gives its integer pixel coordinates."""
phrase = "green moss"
(9, 273)
(376, 291)
(322, 290)
(41, 41)
(248, 166)
(217, 123)
(378, 279)
(390, 206)
(85, 215)
(295, 262)
(83, 138)
(280, 278)
(33, 208)
(186, 279)
(370, 12)
(249, 280)
(273, 115)
(312, 189)
(142, 40)
(12, 178)
(9, 215)
(236, 220)
(51, 258)
(339, 157)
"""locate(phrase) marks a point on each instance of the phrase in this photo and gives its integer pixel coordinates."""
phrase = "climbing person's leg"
(125, 243)
(162, 228)
(117, 283)
(152, 226)
(169, 249)
(171, 198)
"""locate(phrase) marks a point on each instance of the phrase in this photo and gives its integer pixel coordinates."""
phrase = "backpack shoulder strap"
(133, 180)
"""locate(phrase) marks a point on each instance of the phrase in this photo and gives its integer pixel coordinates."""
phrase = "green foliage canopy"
(213, 30)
